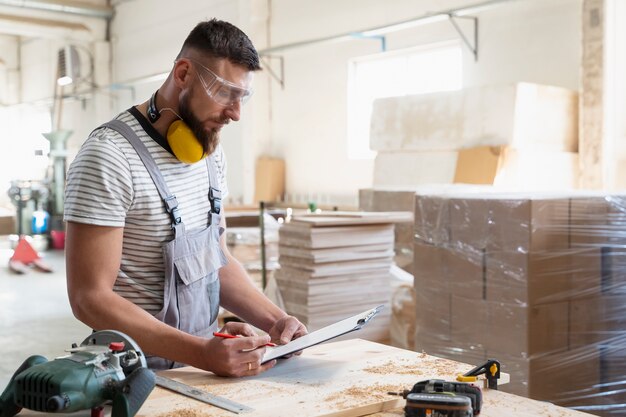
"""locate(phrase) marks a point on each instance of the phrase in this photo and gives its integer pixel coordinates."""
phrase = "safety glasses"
(222, 91)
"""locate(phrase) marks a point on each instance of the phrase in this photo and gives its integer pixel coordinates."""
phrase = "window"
(22, 134)
(398, 73)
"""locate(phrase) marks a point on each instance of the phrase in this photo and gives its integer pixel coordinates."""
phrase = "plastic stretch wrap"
(537, 282)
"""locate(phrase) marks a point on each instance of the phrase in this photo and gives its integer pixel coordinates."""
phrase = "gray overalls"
(192, 260)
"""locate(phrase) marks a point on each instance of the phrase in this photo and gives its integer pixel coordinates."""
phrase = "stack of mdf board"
(535, 281)
(337, 265)
(423, 138)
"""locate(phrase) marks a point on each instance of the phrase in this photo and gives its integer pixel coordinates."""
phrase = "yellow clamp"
(493, 369)
(463, 378)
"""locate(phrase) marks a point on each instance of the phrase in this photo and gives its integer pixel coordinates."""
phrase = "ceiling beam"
(70, 7)
(43, 28)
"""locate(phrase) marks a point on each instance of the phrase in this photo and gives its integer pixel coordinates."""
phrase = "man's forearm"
(106, 310)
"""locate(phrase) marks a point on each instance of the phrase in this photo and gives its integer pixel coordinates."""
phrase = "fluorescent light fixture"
(65, 80)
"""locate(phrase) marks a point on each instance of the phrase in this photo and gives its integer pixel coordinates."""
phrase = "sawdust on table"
(223, 389)
(428, 367)
(375, 392)
(184, 412)
(236, 390)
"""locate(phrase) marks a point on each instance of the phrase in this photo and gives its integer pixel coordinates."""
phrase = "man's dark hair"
(220, 39)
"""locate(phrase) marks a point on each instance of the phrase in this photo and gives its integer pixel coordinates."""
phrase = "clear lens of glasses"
(222, 91)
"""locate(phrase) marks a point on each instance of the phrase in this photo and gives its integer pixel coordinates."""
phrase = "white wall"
(305, 123)
(526, 40)
(9, 67)
(614, 141)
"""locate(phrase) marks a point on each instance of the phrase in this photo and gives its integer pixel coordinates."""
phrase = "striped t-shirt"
(108, 185)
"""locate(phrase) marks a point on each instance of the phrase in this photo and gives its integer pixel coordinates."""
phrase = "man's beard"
(209, 140)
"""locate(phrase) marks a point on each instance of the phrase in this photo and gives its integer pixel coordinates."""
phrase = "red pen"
(232, 336)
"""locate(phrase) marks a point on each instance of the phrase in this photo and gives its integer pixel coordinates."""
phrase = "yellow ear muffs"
(184, 143)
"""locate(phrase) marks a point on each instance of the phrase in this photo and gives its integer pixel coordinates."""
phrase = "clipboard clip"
(370, 314)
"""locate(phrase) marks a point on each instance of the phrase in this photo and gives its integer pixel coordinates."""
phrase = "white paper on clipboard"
(322, 335)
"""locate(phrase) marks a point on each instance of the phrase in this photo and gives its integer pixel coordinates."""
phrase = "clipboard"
(322, 335)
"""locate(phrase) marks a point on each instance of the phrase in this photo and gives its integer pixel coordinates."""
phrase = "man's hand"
(237, 357)
(286, 329)
(238, 329)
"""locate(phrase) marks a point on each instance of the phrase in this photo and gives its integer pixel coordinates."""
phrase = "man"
(146, 253)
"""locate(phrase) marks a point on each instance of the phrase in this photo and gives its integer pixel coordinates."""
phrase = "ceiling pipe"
(59, 6)
(36, 27)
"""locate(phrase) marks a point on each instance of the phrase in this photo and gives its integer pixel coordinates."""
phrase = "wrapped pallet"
(536, 281)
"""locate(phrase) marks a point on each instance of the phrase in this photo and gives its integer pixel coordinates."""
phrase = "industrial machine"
(108, 366)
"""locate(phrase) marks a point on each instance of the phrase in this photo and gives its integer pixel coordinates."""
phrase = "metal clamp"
(215, 198)
(171, 205)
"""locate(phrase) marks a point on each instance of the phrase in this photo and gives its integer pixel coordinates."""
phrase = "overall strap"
(169, 199)
(215, 195)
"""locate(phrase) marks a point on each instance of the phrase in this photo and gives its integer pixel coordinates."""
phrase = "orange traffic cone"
(24, 255)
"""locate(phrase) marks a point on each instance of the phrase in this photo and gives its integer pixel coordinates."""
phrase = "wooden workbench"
(340, 379)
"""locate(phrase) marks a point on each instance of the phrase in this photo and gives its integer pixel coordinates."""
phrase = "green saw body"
(100, 370)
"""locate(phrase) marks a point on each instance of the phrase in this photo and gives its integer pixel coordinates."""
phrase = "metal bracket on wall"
(267, 60)
(381, 38)
(474, 48)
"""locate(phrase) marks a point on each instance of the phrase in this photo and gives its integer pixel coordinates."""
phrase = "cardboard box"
(598, 270)
(464, 352)
(470, 222)
(617, 215)
(565, 378)
(530, 278)
(432, 219)
(529, 225)
(469, 321)
(432, 315)
(269, 179)
(429, 267)
(587, 322)
(478, 165)
(528, 331)
(612, 373)
(465, 271)
(506, 280)
(613, 359)
(596, 321)
(588, 221)
(589, 274)
(613, 270)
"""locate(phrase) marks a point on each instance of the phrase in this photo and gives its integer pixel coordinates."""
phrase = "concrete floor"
(35, 315)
